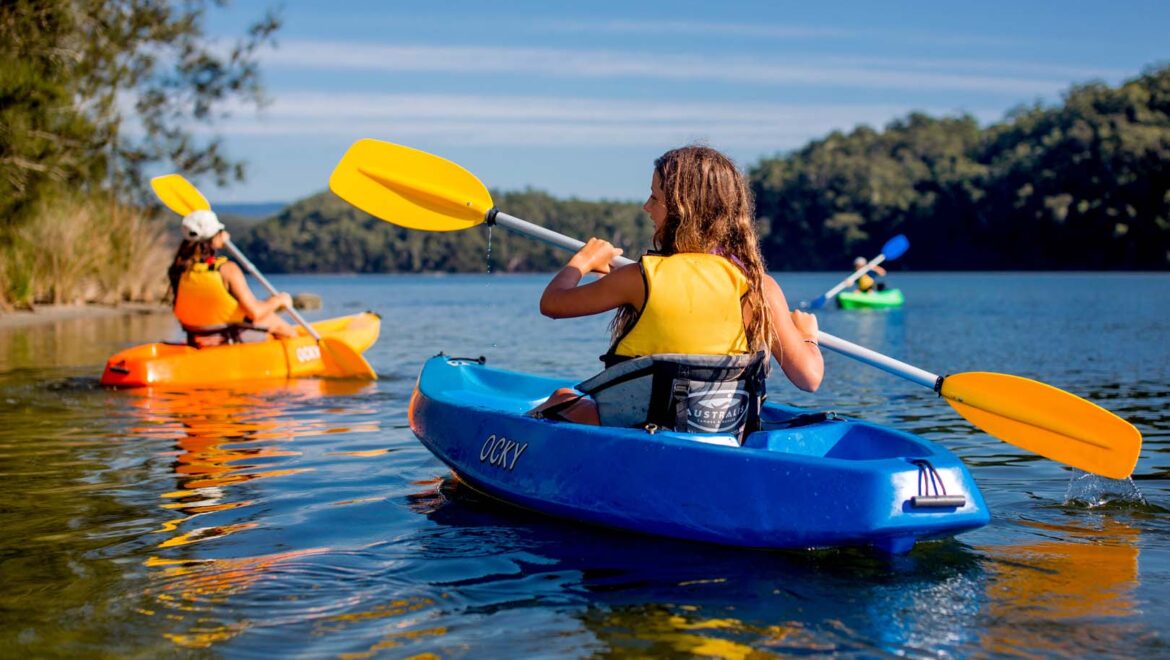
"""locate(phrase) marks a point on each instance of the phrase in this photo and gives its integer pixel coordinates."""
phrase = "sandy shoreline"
(52, 313)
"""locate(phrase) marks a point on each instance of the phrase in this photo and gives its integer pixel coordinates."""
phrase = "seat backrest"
(229, 331)
(682, 392)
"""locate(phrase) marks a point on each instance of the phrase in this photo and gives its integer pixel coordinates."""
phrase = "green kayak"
(871, 300)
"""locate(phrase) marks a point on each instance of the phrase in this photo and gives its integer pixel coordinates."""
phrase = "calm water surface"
(304, 519)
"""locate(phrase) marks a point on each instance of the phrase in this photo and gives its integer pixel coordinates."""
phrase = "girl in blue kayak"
(703, 292)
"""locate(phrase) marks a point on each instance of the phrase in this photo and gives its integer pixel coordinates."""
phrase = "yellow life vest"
(693, 305)
(203, 299)
(864, 283)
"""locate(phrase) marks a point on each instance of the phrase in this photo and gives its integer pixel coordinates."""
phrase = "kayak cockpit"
(785, 429)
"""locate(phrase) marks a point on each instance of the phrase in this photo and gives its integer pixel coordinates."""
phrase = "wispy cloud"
(569, 64)
(1015, 68)
(761, 33)
(553, 121)
(691, 28)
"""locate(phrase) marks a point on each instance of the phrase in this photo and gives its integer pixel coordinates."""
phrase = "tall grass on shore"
(74, 251)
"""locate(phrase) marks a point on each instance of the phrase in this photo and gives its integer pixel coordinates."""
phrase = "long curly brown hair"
(188, 254)
(709, 209)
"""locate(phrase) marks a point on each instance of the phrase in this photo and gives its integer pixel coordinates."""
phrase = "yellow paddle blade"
(1047, 421)
(344, 361)
(409, 188)
(178, 194)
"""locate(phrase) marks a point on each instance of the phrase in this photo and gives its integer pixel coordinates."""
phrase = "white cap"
(201, 225)
(859, 262)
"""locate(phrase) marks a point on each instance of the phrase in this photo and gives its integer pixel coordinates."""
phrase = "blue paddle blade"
(816, 303)
(895, 247)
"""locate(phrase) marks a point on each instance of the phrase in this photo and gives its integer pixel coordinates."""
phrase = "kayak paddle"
(1026, 413)
(894, 248)
(415, 189)
(341, 360)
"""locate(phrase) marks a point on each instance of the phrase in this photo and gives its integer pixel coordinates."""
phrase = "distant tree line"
(1082, 185)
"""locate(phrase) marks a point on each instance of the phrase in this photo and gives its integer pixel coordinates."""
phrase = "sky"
(579, 98)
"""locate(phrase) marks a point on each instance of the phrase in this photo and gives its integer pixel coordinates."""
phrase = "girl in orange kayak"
(211, 296)
(704, 292)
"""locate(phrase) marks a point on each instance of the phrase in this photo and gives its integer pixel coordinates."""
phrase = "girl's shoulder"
(773, 294)
(228, 268)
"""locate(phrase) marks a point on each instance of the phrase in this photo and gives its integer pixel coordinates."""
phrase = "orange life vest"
(203, 299)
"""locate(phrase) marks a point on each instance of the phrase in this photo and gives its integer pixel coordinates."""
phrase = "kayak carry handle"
(938, 501)
(932, 493)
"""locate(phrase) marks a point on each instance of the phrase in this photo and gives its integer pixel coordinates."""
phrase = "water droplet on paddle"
(489, 250)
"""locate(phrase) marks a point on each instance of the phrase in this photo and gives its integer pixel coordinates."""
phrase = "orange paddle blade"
(344, 361)
(410, 188)
(1047, 421)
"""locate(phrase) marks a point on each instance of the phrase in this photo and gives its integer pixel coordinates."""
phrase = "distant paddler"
(893, 248)
(211, 298)
(866, 282)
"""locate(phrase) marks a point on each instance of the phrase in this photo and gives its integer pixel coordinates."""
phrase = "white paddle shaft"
(875, 359)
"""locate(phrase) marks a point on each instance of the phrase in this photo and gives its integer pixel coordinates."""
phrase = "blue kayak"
(806, 480)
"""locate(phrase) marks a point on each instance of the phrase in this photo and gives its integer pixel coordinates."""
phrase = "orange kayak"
(179, 364)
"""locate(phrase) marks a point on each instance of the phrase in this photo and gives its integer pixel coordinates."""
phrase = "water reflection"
(1073, 588)
(81, 342)
(226, 442)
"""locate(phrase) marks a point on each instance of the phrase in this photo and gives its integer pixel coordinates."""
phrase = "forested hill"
(1085, 185)
(1081, 185)
(323, 234)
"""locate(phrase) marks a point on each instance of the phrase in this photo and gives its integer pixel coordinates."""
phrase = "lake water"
(304, 519)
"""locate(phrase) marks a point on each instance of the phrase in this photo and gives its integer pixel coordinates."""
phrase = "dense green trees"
(44, 137)
(1085, 185)
(92, 93)
(847, 194)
